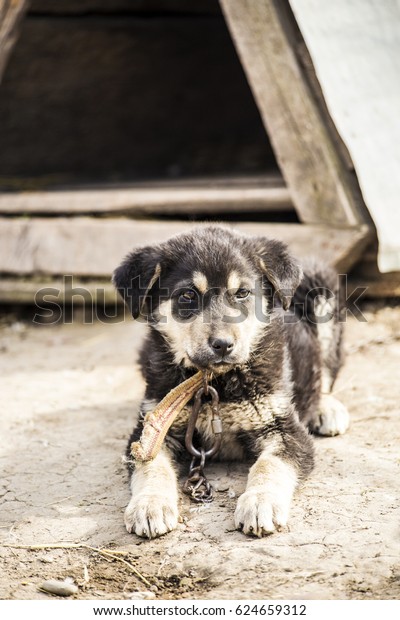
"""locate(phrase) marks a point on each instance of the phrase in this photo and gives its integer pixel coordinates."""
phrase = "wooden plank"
(385, 286)
(339, 247)
(11, 14)
(101, 292)
(321, 187)
(46, 289)
(207, 196)
(92, 247)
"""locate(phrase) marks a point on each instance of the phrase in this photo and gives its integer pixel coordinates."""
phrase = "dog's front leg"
(264, 506)
(153, 509)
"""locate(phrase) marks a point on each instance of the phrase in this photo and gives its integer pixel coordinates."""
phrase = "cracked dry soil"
(69, 397)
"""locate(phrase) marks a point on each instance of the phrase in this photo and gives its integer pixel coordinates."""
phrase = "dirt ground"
(69, 396)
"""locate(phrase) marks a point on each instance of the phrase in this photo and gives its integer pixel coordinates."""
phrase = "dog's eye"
(242, 293)
(187, 296)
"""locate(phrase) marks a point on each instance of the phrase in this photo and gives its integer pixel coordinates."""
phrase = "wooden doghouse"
(123, 122)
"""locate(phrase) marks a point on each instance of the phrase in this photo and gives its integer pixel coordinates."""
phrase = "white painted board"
(355, 48)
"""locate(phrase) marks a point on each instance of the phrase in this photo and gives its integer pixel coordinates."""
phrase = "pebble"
(186, 582)
(146, 595)
(59, 588)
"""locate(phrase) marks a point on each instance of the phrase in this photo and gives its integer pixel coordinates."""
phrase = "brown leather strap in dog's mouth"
(158, 421)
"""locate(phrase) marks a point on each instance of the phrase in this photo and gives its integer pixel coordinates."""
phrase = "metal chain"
(197, 485)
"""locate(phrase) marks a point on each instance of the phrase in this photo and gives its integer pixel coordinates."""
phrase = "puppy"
(271, 335)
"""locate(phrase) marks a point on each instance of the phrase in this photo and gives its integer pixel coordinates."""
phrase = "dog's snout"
(221, 346)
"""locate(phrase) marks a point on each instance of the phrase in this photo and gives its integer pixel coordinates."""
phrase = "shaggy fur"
(271, 334)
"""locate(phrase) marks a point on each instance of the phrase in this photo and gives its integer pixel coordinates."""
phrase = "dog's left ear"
(280, 267)
(135, 278)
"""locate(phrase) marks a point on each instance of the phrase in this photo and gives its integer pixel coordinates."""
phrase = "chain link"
(197, 485)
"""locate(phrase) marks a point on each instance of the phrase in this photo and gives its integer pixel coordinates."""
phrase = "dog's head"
(210, 292)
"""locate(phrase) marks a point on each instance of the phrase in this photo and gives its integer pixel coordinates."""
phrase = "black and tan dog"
(271, 335)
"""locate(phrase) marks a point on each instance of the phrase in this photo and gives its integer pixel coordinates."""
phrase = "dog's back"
(315, 332)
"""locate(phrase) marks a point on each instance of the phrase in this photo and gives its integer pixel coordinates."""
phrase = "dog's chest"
(238, 419)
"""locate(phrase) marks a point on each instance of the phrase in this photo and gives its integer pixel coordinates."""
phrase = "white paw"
(259, 512)
(333, 417)
(151, 515)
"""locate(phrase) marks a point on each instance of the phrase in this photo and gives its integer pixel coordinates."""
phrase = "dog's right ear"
(136, 276)
(281, 268)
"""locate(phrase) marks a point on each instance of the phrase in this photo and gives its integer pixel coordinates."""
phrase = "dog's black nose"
(221, 346)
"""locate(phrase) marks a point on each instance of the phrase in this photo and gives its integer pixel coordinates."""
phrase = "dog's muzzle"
(217, 354)
(221, 348)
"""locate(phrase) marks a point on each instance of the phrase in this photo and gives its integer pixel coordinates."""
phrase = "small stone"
(145, 595)
(186, 582)
(59, 588)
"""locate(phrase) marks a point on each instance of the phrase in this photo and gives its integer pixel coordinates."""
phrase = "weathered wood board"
(206, 196)
(11, 14)
(355, 47)
(74, 290)
(320, 183)
(385, 286)
(93, 247)
(78, 290)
